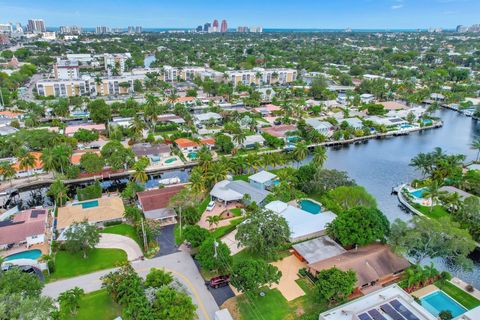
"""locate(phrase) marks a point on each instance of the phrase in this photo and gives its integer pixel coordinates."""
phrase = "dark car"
(220, 281)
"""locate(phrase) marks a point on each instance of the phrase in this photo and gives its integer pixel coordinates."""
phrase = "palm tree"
(216, 172)
(319, 156)
(239, 137)
(252, 161)
(205, 158)
(197, 180)
(7, 171)
(27, 161)
(433, 192)
(48, 160)
(300, 152)
(58, 191)
(476, 146)
(213, 220)
(137, 127)
(140, 176)
(61, 154)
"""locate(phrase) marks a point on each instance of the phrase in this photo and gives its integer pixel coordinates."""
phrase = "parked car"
(211, 205)
(220, 281)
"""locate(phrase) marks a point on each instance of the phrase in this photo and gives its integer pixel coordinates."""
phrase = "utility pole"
(144, 236)
(215, 245)
(1, 98)
(180, 214)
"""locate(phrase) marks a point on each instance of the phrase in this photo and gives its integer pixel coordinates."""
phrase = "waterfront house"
(170, 118)
(24, 228)
(390, 302)
(154, 152)
(324, 127)
(317, 249)
(252, 141)
(374, 264)
(208, 142)
(95, 211)
(355, 123)
(303, 225)
(30, 171)
(263, 180)
(281, 131)
(393, 105)
(186, 145)
(155, 203)
(228, 191)
(267, 110)
(11, 115)
(206, 118)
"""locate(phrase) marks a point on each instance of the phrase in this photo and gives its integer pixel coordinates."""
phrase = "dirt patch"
(231, 305)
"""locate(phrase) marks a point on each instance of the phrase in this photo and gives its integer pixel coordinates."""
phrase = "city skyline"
(362, 14)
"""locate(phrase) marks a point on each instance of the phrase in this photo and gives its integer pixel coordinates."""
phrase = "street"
(180, 264)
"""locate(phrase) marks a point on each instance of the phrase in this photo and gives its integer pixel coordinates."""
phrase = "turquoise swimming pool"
(192, 155)
(88, 204)
(170, 160)
(418, 193)
(439, 301)
(310, 206)
(29, 254)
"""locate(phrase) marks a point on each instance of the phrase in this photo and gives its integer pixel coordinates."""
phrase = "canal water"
(149, 59)
(378, 165)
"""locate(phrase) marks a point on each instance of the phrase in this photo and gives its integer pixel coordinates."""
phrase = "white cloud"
(397, 6)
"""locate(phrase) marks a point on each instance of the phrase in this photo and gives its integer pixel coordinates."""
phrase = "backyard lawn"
(123, 230)
(69, 265)
(272, 306)
(221, 231)
(96, 305)
(437, 212)
(465, 299)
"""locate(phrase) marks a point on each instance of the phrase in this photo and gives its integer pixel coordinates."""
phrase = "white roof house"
(473, 314)
(303, 225)
(228, 191)
(251, 141)
(262, 176)
(323, 127)
(387, 303)
(354, 122)
(203, 117)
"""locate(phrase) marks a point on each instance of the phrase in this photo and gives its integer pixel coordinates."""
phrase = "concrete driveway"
(180, 264)
(115, 241)
(166, 241)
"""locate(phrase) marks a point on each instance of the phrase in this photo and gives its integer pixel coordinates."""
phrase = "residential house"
(154, 152)
(206, 118)
(228, 191)
(155, 203)
(367, 98)
(355, 123)
(253, 141)
(24, 228)
(303, 225)
(186, 145)
(30, 171)
(263, 180)
(324, 127)
(317, 249)
(281, 131)
(70, 130)
(267, 110)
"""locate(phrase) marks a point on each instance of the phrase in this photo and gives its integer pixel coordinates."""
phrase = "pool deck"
(41, 246)
(425, 291)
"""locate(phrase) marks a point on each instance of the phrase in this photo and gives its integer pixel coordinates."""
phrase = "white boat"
(169, 181)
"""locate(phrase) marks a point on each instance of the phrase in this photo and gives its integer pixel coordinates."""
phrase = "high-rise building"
(224, 26)
(215, 26)
(6, 28)
(131, 29)
(36, 25)
(101, 30)
(138, 29)
(206, 27)
(256, 29)
(70, 30)
(242, 29)
(199, 29)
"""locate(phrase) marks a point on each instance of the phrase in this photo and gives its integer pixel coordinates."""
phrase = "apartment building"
(66, 69)
(260, 76)
(116, 60)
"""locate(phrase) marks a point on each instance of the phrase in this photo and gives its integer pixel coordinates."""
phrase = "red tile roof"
(24, 224)
(208, 141)
(185, 143)
(38, 163)
(158, 198)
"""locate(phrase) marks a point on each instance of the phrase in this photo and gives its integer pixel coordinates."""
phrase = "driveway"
(232, 243)
(180, 264)
(166, 241)
(288, 286)
(221, 294)
(115, 241)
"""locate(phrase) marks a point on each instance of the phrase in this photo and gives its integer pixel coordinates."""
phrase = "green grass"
(243, 177)
(204, 204)
(69, 265)
(221, 231)
(462, 297)
(272, 306)
(437, 212)
(176, 232)
(123, 230)
(236, 212)
(96, 305)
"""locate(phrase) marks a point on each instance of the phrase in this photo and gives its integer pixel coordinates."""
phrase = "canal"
(378, 165)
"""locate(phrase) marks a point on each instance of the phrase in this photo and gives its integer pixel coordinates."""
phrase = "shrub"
(112, 223)
(469, 288)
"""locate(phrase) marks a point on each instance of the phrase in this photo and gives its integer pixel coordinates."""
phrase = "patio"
(288, 286)
(219, 209)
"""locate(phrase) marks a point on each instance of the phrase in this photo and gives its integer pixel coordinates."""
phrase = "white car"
(211, 205)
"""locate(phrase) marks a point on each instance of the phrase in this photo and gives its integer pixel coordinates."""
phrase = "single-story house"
(462, 194)
(252, 141)
(393, 105)
(70, 130)
(24, 228)
(391, 302)
(208, 142)
(373, 264)
(186, 145)
(170, 118)
(77, 155)
(154, 203)
(206, 117)
(386, 121)
(11, 115)
(267, 110)
(95, 211)
(353, 122)
(367, 98)
(154, 152)
(324, 127)
(26, 172)
(303, 225)
(317, 249)
(437, 97)
(123, 122)
(234, 191)
(263, 180)
(280, 131)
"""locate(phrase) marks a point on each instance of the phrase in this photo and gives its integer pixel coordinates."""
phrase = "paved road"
(166, 241)
(115, 241)
(180, 264)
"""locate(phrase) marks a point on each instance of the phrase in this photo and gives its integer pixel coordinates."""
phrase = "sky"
(322, 14)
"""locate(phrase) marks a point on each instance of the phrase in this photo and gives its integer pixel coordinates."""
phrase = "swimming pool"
(88, 204)
(29, 254)
(438, 301)
(192, 155)
(170, 160)
(418, 193)
(310, 206)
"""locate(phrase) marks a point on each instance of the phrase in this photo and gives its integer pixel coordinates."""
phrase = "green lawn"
(221, 231)
(236, 212)
(436, 213)
(462, 297)
(272, 306)
(123, 230)
(96, 305)
(204, 204)
(69, 265)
